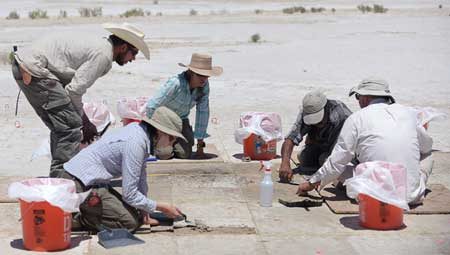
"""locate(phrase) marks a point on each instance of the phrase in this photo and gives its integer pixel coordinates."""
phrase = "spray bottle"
(266, 186)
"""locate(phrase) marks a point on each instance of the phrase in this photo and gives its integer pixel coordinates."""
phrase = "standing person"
(182, 92)
(122, 153)
(320, 120)
(55, 72)
(381, 131)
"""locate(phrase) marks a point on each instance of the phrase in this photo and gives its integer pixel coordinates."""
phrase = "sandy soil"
(408, 46)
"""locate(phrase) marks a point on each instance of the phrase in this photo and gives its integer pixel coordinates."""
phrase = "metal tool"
(111, 238)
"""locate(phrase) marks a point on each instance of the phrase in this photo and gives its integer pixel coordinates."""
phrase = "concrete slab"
(160, 244)
(307, 244)
(218, 213)
(212, 156)
(429, 244)
(219, 244)
(9, 223)
(14, 245)
(188, 168)
(226, 198)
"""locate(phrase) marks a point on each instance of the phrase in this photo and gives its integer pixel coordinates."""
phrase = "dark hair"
(187, 75)
(151, 130)
(388, 99)
(117, 41)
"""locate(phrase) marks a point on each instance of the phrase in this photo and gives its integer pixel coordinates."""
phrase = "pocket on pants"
(64, 117)
(59, 107)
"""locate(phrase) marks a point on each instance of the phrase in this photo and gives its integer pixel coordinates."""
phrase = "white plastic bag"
(383, 181)
(132, 108)
(56, 191)
(427, 114)
(264, 124)
(99, 115)
(42, 150)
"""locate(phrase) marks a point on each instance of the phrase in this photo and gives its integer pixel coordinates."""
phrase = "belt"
(98, 185)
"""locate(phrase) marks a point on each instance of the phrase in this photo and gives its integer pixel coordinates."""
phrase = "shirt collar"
(379, 100)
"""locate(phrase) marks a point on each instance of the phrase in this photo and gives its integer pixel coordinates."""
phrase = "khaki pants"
(111, 211)
(52, 104)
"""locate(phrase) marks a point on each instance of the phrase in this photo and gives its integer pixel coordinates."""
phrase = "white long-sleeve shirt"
(380, 132)
(76, 60)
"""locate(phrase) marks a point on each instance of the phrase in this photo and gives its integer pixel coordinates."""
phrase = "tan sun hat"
(202, 64)
(372, 87)
(313, 107)
(130, 34)
(166, 121)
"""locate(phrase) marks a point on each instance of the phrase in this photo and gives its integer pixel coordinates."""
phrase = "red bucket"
(45, 227)
(257, 149)
(375, 214)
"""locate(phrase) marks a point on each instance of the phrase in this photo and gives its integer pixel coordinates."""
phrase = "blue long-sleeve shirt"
(121, 153)
(176, 95)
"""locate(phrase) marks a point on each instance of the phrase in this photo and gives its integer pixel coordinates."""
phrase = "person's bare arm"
(285, 171)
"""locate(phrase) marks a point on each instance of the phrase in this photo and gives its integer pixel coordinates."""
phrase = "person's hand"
(285, 173)
(89, 130)
(168, 210)
(304, 187)
(200, 153)
(148, 220)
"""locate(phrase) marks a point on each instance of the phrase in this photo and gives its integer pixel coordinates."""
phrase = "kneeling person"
(181, 93)
(381, 131)
(122, 153)
(321, 119)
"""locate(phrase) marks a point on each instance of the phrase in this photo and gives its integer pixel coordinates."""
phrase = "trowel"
(111, 238)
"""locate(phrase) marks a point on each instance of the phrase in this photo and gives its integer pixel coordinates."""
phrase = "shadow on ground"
(352, 222)
(74, 242)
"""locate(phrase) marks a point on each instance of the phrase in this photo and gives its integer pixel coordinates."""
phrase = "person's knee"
(323, 157)
(307, 158)
(130, 222)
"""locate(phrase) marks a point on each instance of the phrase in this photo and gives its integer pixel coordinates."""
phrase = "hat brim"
(129, 37)
(215, 71)
(313, 118)
(163, 128)
(366, 92)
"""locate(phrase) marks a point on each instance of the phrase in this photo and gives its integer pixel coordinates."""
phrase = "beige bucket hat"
(202, 64)
(313, 107)
(131, 34)
(372, 87)
(166, 121)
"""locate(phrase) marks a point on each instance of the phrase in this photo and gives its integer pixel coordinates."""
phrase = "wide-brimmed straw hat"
(314, 107)
(202, 64)
(166, 121)
(372, 87)
(130, 34)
